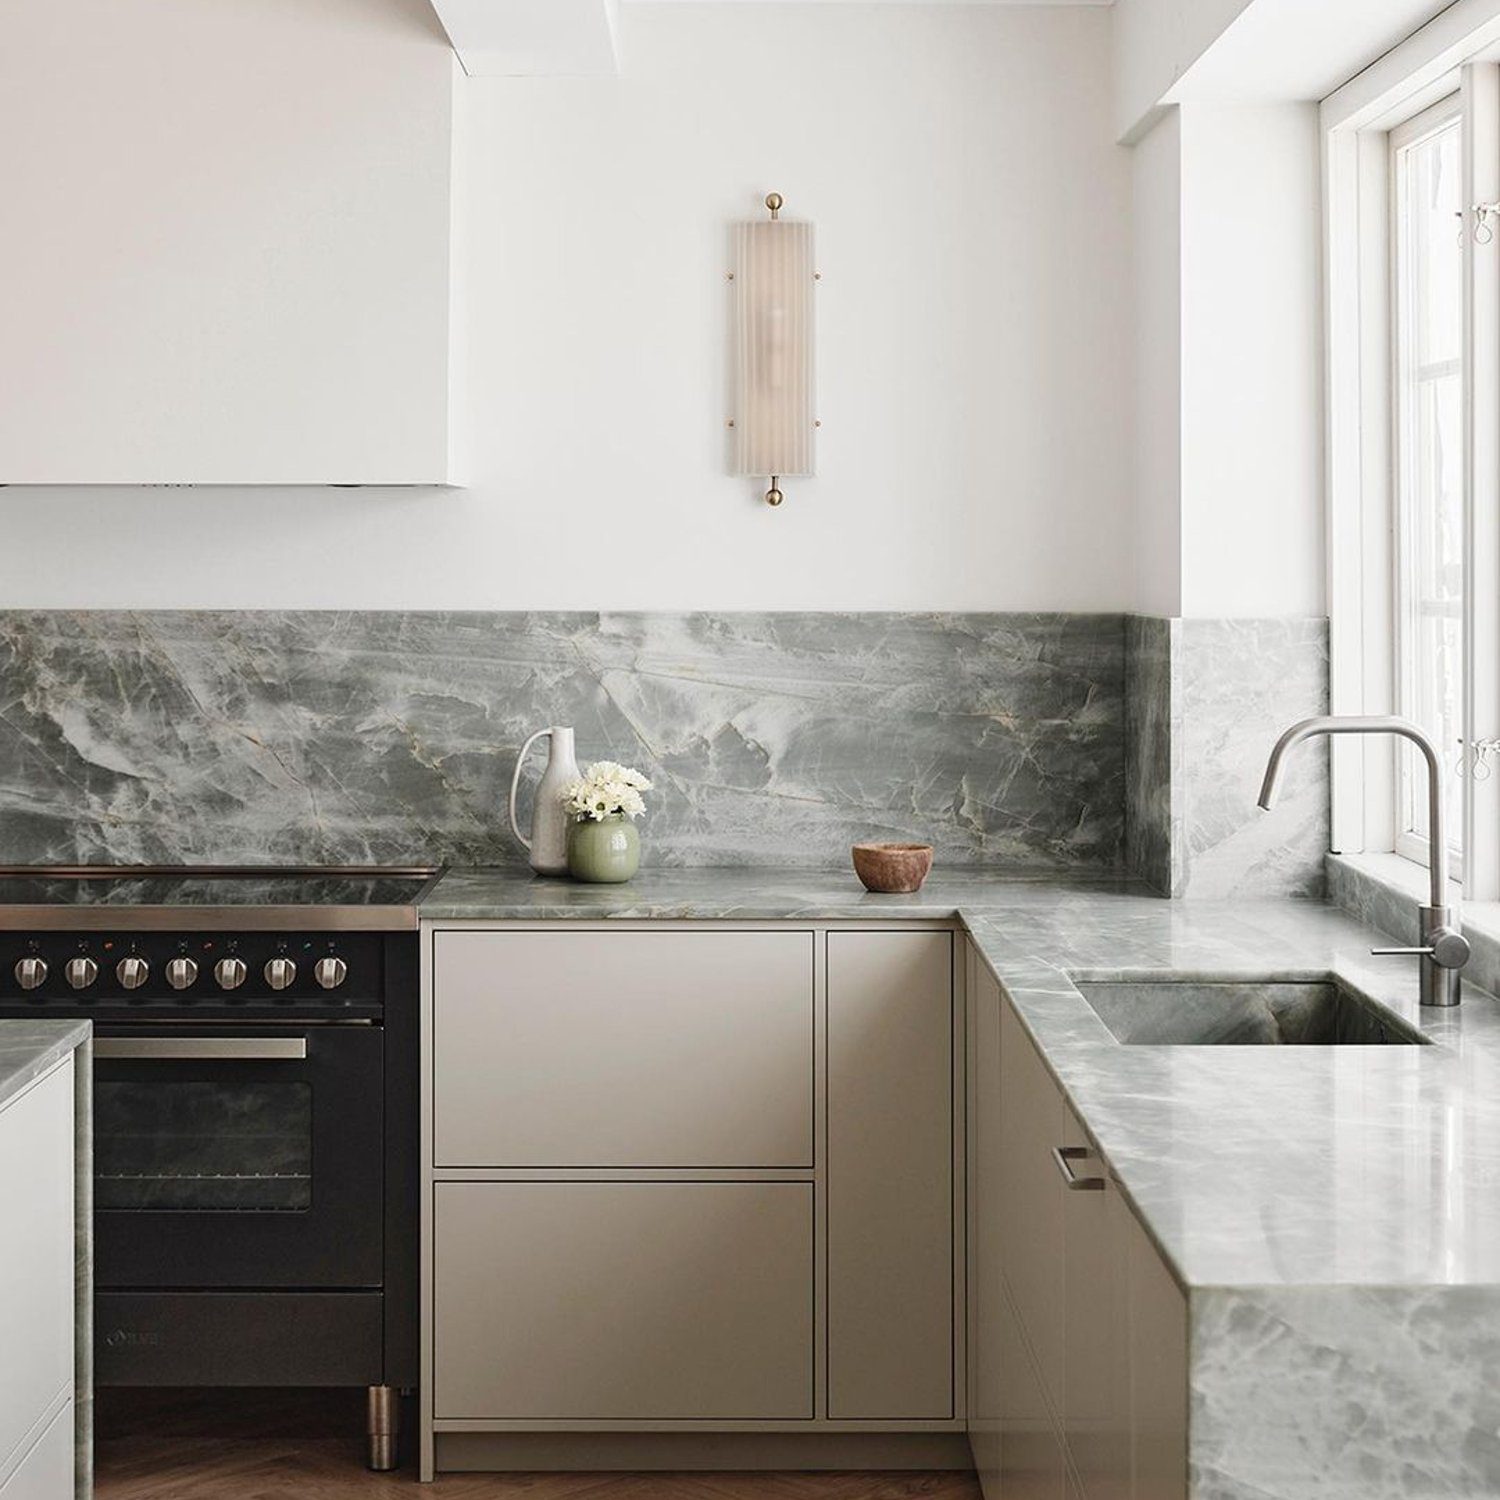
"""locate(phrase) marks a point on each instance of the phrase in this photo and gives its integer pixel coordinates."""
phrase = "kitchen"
(643, 843)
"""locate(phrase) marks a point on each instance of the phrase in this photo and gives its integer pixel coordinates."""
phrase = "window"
(1428, 482)
(1412, 227)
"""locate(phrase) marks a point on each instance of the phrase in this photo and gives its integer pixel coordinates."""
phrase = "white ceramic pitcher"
(548, 843)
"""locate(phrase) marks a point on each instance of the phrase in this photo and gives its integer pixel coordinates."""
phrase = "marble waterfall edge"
(314, 736)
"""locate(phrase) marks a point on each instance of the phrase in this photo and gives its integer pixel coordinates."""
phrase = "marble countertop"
(29, 1048)
(1251, 1166)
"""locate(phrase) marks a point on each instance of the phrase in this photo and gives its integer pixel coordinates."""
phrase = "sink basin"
(1241, 1013)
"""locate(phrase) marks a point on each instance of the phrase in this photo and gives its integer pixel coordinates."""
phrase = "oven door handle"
(222, 1048)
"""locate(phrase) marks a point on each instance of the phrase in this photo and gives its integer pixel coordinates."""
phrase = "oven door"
(238, 1156)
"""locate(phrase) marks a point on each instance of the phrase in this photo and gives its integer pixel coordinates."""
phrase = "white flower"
(605, 789)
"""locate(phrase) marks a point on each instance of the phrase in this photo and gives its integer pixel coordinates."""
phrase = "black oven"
(254, 1133)
(239, 1156)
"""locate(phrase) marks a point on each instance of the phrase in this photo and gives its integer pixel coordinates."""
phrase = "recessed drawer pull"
(213, 1048)
(1064, 1157)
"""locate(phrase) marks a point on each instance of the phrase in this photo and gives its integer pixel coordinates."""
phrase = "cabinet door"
(1032, 1466)
(1158, 1368)
(1096, 1332)
(1031, 1221)
(37, 1254)
(47, 1471)
(986, 1206)
(890, 1175)
(623, 1049)
(623, 1300)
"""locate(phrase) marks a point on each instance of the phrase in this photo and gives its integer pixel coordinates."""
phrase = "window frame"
(1458, 52)
(1421, 126)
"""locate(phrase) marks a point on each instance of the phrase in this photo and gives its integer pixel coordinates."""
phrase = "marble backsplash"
(1205, 702)
(311, 736)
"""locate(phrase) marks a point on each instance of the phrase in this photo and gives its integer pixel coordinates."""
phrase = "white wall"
(1228, 393)
(973, 220)
(1252, 399)
(1157, 265)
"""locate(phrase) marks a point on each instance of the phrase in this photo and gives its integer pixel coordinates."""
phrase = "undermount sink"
(1241, 1013)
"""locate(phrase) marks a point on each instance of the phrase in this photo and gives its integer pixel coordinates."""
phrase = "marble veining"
(1152, 842)
(1205, 700)
(1330, 1212)
(308, 736)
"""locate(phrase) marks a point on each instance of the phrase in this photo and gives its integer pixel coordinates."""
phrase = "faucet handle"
(1448, 949)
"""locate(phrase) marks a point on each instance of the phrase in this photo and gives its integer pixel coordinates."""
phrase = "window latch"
(1474, 758)
(1484, 230)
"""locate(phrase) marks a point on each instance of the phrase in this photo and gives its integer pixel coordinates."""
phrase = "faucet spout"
(1445, 950)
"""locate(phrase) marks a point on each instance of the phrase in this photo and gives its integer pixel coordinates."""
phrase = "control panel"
(160, 970)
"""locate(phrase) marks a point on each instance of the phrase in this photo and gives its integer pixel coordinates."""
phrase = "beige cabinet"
(37, 1289)
(624, 1300)
(1087, 1340)
(1032, 1465)
(985, 1215)
(890, 1175)
(1031, 1191)
(684, 1179)
(623, 1049)
(1158, 1358)
(1096, 1355)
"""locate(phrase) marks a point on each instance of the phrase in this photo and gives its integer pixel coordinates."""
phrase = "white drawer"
(37, 1288)
(623, 1049)
(47, 1471)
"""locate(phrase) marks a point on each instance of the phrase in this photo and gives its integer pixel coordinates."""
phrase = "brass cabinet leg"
(382, 1425)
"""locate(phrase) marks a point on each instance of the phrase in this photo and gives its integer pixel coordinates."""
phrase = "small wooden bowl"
(891, 869)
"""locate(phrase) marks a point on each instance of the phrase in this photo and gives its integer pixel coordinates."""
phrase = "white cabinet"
(37, 1289)
(624, 1300)
(691, 1180)
(227, 243)
(890, 1175)
(1078, 1332)
(47, 1471)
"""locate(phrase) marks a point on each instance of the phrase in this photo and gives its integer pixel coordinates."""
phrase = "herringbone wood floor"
(304, 1445)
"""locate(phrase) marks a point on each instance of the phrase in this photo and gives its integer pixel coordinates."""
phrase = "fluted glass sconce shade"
(774, 423)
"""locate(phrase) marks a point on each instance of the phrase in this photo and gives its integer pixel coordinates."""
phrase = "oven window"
(206, 1147)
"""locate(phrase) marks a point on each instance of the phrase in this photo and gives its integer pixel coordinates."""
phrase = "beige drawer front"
(623, 1300)
(623, 1049)
(890, 1175)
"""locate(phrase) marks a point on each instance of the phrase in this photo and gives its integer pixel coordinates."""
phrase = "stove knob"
(230, 973)
(132, 971)
(330, 972)
(280, 972)
(81, 972)
(182, 973)
(30, 972)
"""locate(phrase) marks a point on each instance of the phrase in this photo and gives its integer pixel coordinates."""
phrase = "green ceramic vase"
(605, 852)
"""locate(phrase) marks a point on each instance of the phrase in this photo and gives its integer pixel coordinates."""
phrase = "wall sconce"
(773, 277)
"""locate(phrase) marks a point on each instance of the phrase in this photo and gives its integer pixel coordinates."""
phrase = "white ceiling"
(875, 2)
(1290, 49)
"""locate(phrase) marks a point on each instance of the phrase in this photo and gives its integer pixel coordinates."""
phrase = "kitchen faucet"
(1444, 950)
